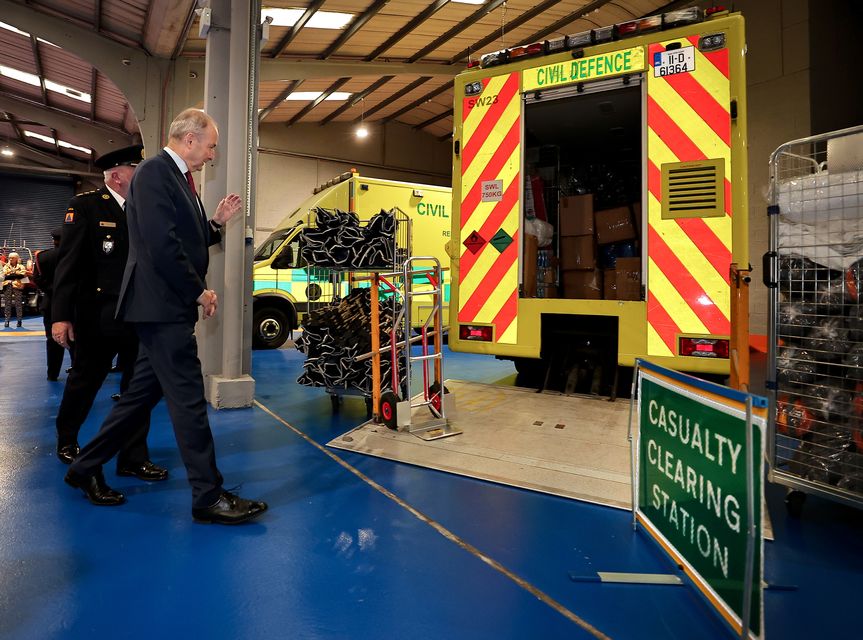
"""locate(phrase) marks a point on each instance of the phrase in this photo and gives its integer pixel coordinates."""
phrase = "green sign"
(692, 484)
(604, 65)
(501, 240)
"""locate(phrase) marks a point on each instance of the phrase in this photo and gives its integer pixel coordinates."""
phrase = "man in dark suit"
(90, 265)
(44, 267)
(163, 286)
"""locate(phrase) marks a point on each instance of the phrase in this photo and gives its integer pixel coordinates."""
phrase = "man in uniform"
(93, 252)
(43, 273)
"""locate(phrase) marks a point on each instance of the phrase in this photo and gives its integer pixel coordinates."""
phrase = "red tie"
(191, 182)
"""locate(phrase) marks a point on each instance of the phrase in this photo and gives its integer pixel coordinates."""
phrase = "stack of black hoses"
(334, 336)
(819, 371)
(339, 241)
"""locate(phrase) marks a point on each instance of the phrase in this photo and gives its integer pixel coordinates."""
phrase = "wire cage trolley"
(421, 278)
(814, 272)
(339, 252)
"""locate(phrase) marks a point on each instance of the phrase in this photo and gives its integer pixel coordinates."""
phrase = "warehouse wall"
(778, 107)
(292, 161)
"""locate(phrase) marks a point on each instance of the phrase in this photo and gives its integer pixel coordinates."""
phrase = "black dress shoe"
(115, 397)
(229, 509)
(144, 471)
(52, 378)
(68, 452)
(95, 489)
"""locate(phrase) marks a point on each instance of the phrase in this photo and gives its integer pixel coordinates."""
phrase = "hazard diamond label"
(474, 242)
(501, 240)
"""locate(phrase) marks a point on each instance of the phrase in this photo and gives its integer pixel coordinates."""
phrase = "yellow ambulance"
(599, 196)
(285, 287)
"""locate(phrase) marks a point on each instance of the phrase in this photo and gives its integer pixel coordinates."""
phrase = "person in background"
(14, 274)
(43, 274)
(163, 286)
(92, 256)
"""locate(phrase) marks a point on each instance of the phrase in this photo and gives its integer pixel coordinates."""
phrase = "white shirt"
(184, 169)
(181, 164)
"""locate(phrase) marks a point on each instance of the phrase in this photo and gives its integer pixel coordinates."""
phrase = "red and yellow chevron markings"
(688, 259)
(491, 151)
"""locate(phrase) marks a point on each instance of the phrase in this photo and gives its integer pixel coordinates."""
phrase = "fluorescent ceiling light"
(67, 91)
(320, 19)
(50, 140)
(7, 152)
(21, 76)
(50, 85)
(9, 27)
(468, 1)
(308, 96)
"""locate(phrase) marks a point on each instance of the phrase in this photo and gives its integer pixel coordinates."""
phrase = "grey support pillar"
(231, 98)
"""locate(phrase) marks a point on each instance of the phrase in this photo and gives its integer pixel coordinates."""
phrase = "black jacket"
(92, 256)
(43, 274)
(168, 246)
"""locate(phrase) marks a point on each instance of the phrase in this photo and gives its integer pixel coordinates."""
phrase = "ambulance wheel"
(435, 397)
(794, 503)
(270, 328)
(389, 403)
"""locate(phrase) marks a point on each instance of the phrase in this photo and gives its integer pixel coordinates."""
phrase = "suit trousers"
(167, 366)
(94, 355)
(53, 351)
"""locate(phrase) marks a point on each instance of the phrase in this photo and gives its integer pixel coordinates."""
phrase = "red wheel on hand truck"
(389, 402)
(436, 398)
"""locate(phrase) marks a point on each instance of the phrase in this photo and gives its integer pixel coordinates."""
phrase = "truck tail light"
(472, 332)
(704, 347)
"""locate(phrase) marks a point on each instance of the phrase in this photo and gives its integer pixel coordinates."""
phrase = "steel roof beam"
(357, 97)
(433, 119)
(93, 84)
(292, 86)
(314, 103)
(37, 59)
(397, 95)
(416, 103)
(572, 17)
(94, 135)
(292, 32)
(421, 17)
(475, 17)
(358, 23)
(34, 154)
(509, 27)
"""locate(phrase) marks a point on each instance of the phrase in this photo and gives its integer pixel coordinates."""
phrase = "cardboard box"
(609, 284)
(628, 278)
(576, 216)
(577, 252)
(544, 290)
(579, 284)
(636, 216)
(530, 253)
(614, 225)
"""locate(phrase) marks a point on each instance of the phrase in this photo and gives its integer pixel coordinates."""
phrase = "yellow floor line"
(446, 533)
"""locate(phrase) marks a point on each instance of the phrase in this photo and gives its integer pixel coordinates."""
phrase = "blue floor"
(353, 546)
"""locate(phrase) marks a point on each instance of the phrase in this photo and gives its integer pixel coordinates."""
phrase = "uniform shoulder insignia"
(70, 216)
(105, 196)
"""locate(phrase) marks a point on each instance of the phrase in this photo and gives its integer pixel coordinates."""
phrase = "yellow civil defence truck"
(285, 287)
(599, 197)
